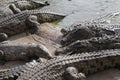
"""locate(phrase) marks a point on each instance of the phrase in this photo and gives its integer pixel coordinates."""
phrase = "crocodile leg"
(71, 73)
(32, 22)
(14, 9)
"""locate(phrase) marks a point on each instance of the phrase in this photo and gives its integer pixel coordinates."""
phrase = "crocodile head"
(32, 22)
(77, 34)
(43, 52)
(75, 47)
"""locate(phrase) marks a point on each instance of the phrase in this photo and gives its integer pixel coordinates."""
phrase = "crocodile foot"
(72, 73)
(32, 22)
(14, 9)
(3, 37)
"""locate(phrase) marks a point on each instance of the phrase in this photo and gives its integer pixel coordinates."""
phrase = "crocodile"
(92, 44)
(29, 4)
(22, 51)
(63, 67)
(18, 6)
(88, 30)
(26, 20)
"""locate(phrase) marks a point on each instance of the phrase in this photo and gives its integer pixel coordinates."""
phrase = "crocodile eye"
(3, 37)
(33, 18)
(47, 4)
(64, 32)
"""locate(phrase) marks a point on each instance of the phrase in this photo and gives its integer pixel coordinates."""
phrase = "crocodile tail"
(13, 73)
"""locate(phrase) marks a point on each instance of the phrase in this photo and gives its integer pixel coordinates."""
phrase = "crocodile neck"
(87, 63)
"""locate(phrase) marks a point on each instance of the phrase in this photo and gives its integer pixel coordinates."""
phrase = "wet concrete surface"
(82, 10)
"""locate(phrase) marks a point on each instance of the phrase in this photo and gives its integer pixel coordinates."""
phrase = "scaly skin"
(18, 23)
(92, 44)
(17, 6)
(89, 30)
(29, 4)
(31, 24)
(55, 68)
(23, 51)
(15, 72)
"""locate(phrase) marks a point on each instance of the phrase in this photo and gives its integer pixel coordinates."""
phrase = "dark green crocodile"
(62, 67)
(23, 51)
(26, 20)
(92, 44)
